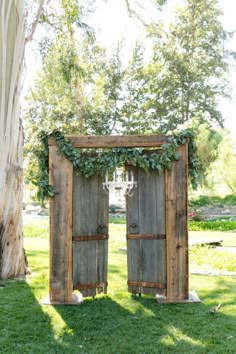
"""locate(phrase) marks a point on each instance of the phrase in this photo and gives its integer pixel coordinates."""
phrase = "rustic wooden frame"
(176, 186)
(61, 178)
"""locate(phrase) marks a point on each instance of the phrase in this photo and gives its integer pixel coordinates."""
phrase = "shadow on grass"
(139, 324)
(222, 290)
(24, 326)
(226, 287)
(42, 254)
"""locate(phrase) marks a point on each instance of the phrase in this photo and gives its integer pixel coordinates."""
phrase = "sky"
(112, 23)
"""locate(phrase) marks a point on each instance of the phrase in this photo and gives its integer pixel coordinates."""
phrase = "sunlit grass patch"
(213, 258)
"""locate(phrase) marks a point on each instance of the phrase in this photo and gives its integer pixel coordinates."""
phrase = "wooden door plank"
(159, 189)
(146, 256)
(61, 178)
(102, 247)
(145, 220)
(90, 209)
(77, 251)
(153, 219)
(93, 197)
(132, 226)
(80, 217)
(176, 227)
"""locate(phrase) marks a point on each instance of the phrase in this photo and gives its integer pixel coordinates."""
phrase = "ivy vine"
(101, 161)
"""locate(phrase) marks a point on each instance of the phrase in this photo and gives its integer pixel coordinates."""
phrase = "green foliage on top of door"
(102, 161)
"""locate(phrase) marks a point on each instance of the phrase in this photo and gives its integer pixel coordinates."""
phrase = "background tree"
(223, 169)
(188, 70)
(53, 101)
(56, 100)
(133, 117)
(82, 91)
(208, 142)
(103, 93)
(77, 90)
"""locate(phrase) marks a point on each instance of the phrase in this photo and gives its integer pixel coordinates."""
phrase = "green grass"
(117, 322)
(117, 220)
(211, 258)
(216, 225)
(40, 227)
(39, 230)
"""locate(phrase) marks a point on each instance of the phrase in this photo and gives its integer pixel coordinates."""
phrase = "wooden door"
(90, 235)
(146, 235)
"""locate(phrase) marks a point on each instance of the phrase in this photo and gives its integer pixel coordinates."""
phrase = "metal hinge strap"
(146, 236)
(90, 286)
(145, 284)
(90, 238)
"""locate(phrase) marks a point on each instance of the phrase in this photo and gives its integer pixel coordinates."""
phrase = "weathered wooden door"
(90, 235)
(146, 235)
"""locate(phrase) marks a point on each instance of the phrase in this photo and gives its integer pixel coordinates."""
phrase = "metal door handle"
(133, 228)
(102, 229)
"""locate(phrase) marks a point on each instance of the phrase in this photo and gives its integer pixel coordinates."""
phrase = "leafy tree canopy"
(223, 169)
(188, 70)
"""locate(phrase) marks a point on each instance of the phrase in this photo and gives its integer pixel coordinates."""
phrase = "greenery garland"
(100, 161)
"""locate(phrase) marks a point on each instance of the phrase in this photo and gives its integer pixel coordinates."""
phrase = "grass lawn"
(228, 237)
(117, 322)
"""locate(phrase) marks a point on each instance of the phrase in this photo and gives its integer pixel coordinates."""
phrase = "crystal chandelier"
(123, 181)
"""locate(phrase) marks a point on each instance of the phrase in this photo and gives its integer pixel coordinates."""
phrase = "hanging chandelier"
(122, 182)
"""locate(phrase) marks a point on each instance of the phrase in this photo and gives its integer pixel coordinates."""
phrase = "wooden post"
(177, 228)
(60, 177)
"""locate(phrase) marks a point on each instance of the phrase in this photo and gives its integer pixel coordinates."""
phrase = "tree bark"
(12, 45)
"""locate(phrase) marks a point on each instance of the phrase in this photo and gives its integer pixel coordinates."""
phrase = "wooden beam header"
(110, 141)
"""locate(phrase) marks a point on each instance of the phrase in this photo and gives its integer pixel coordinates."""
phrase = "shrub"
(211, 225)
(196, 215)
(204, 200)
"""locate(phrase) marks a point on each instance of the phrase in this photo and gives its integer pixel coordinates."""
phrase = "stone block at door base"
(192, 297)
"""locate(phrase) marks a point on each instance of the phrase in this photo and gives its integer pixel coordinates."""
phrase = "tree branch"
(34, 24)
(132, 13)
(51, 24)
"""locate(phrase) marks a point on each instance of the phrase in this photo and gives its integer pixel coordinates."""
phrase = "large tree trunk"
(12, 44)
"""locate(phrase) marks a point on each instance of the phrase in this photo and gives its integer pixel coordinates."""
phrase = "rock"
(43, 212)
